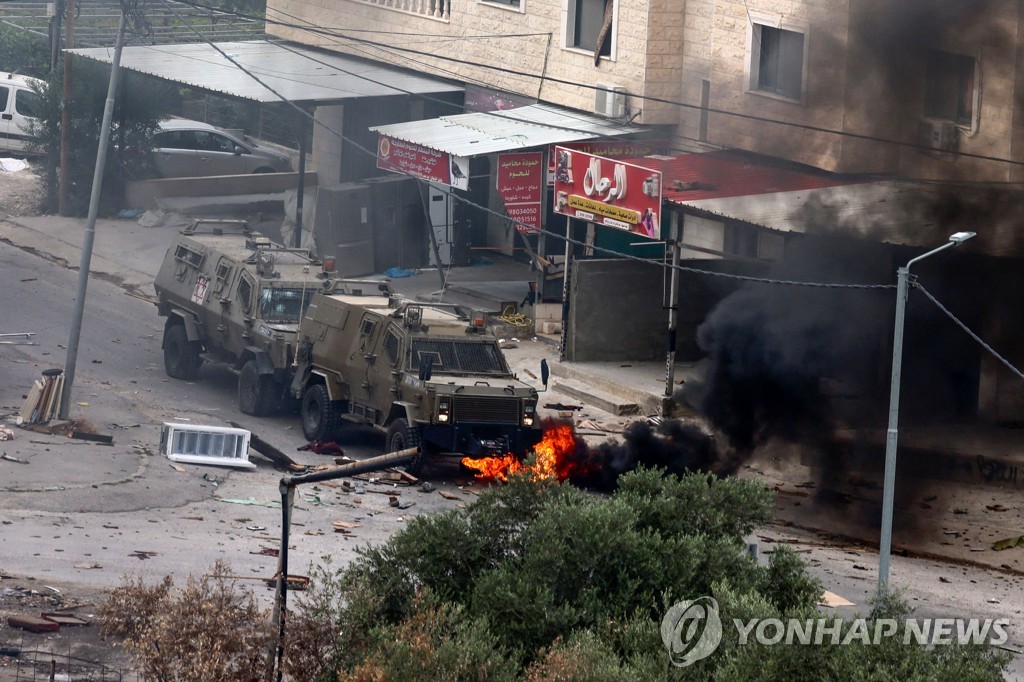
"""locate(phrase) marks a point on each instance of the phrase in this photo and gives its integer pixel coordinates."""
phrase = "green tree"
(139, 104)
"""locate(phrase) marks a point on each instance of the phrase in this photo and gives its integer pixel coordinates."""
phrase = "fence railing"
(440, 10)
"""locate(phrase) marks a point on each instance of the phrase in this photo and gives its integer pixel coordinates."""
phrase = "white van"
(19, 104)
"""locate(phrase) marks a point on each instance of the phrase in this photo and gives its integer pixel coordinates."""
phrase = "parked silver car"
(187, 149)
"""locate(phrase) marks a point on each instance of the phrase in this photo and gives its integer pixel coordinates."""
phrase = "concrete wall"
(616, 310)
(145, 194)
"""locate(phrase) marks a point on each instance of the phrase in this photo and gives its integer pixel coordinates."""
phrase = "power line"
(356, 145)
(967, 329)
(660, 100)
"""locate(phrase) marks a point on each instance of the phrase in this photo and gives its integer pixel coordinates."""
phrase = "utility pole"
(90, 227)
(673, 316)
(55, 28)
(892, 433)
(65, 115)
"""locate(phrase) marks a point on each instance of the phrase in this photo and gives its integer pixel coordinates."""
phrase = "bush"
(208, 631)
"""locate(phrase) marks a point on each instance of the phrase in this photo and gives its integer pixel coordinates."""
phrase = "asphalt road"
(82, 516)
(81, 513)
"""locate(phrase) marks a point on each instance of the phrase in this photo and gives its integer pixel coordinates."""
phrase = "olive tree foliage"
(540, 581)
(23, 52)
(139, 104)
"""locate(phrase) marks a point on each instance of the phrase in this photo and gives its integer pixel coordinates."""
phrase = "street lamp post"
(892, 434)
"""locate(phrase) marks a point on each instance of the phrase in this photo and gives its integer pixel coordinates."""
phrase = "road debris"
(448, 496)
(9, 458)
(270, 452)
(43, 401)
(344, 526)
(96, 437)
(1007, 543)
(142, 554)
(33, 623)
(273, 504)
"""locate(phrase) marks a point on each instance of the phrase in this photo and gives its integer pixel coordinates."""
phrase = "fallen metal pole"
(25, 334)
(287, 488)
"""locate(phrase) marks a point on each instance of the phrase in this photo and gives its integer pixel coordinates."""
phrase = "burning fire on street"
(563, 456)
(556, 456)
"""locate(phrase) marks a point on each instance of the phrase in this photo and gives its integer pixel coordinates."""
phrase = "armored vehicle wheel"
(320, 417)
(257, 393)
(402, 436)
(181, 356)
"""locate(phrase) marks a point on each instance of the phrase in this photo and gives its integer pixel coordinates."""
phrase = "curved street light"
(892, 433)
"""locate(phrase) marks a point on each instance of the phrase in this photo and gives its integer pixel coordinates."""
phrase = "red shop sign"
(608, 192)
(399, 156)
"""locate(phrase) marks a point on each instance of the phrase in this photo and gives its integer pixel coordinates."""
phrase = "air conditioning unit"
(938, 133)
(610, 100)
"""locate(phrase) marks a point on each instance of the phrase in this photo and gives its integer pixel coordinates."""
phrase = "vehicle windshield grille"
(454, 357)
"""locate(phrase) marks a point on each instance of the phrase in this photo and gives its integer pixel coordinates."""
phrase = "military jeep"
(232, 296)
(422, 373)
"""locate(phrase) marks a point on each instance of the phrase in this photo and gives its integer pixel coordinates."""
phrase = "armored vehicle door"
(220, 299)
(393, 353)
(365, 380)
(245, 298)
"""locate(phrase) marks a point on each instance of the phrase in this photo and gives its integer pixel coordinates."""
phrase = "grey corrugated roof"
(299, 74)
(500, 131)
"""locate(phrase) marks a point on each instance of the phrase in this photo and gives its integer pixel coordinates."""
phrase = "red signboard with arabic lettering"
(519, 177)
(608, 192)
(399, 156)
(610, 149)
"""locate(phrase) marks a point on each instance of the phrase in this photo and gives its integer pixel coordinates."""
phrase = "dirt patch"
(74, 650)
(21, 192)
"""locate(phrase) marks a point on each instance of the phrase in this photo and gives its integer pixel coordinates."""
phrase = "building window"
(511, 4)
(589, 26)
(950, 87)
(777, 61)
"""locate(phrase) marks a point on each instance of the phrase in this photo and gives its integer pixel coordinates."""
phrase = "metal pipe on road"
(287, 488)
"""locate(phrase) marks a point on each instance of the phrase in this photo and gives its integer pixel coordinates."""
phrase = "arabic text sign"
(519, 178)
(608, 192)
(610, 149)
(399, 156)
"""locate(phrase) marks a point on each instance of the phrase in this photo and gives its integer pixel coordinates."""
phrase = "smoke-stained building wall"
(859, 85)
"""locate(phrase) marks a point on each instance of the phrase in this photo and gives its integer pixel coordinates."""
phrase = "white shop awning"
(535, 125)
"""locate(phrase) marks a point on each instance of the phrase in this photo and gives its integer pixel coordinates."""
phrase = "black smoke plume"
(778, 355)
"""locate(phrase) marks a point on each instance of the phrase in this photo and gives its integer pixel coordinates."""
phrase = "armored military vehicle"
(230, 295)
(423, 373)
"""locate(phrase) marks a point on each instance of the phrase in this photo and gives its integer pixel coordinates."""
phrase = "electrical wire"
(967, 329)
(650, 98)
(490, 211)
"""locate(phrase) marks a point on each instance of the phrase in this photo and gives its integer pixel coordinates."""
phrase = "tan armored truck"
(422, 373)
(230, 295)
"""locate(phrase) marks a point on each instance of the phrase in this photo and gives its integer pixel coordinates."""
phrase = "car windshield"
(284, 305)
(459, 357)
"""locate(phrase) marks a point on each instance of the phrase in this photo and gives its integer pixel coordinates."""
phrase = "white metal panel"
(535, 125)
(214, 445)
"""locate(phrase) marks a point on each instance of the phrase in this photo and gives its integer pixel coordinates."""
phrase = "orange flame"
(552, 459)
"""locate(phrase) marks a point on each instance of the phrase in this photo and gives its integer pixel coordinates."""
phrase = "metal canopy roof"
(299, 74)
(500, 131)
